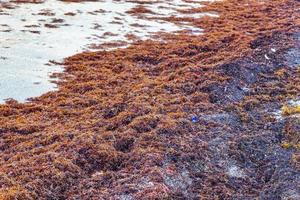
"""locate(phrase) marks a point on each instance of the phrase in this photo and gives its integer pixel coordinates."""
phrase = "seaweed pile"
(186, 117)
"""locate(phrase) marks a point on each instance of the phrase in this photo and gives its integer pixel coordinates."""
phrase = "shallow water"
(33, 34)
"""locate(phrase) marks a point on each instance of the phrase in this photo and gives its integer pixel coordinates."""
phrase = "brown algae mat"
(193, 117)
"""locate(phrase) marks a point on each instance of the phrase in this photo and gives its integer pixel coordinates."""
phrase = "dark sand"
(196, 117)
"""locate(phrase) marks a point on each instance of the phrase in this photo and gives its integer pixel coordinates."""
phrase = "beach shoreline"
(36, 37)
(187, 117)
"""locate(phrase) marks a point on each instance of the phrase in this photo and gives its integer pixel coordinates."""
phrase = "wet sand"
(211, 116)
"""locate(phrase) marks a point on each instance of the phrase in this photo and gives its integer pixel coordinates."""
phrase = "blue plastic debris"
(195, 119)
